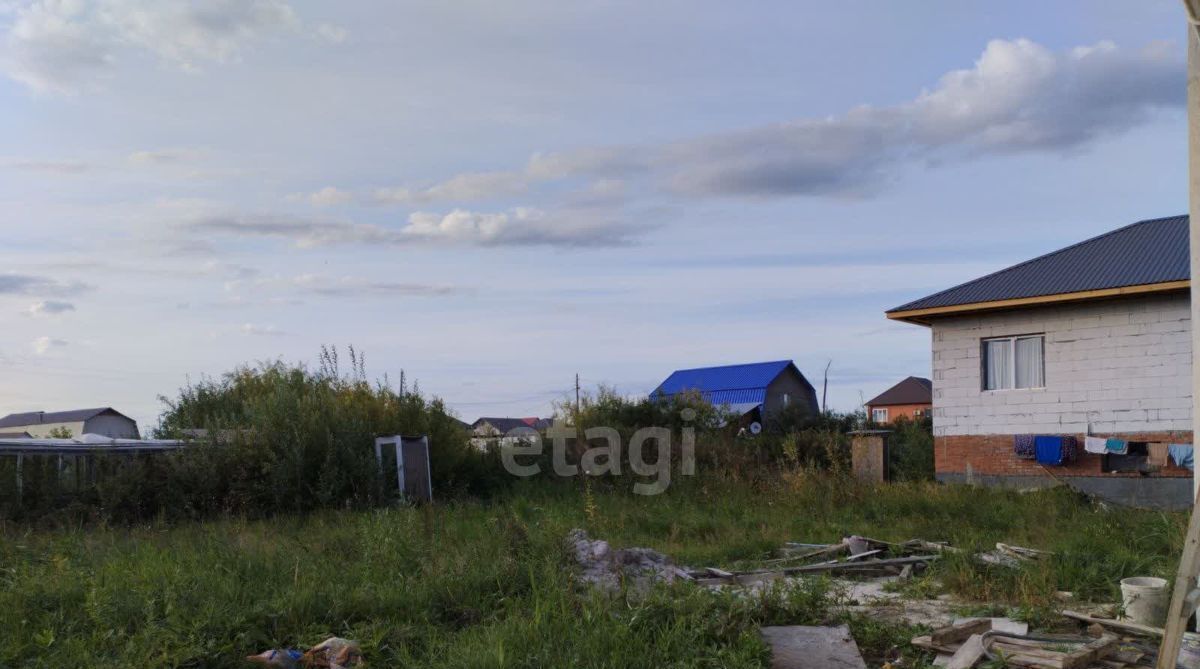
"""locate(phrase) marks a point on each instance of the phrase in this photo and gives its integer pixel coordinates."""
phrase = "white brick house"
(1092, 339)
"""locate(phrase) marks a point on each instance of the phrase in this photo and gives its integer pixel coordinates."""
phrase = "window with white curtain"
(879, 415)
(1014, 362)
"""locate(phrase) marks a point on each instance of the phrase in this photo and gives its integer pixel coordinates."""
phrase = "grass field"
(475, 585)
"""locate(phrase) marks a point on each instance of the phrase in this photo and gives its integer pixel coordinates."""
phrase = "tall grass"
(489, 584)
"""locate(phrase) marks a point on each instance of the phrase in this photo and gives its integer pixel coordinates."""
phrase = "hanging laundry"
(1181, 454)
(1095, 445)
(1070, 449)
(1117, 446)
(1049, 450)
(1157, 454)
(1023, 446)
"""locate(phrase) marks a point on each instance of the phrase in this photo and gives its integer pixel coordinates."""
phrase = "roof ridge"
(736, 364)
(716, 390)
(1036, 259)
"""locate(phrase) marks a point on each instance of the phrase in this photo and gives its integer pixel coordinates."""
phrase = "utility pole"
(825, 388)
(1193, 123)
(576, 395)
(1186, 594)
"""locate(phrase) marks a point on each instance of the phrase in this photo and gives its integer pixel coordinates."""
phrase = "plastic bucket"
(1145, 599)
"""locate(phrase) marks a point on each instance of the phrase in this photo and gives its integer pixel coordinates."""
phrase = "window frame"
(875, 410)
(1012, 361)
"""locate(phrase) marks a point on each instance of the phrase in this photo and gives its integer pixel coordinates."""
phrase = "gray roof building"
(1148, 256)
(102, 420)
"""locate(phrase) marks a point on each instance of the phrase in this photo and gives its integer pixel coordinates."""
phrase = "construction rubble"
(862, 573)
(332, 653)
(607, 569)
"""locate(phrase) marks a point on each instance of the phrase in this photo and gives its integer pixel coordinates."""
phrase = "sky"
(495, 197)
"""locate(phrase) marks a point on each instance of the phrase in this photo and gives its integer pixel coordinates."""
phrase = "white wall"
(1122, 365)
(43, 430)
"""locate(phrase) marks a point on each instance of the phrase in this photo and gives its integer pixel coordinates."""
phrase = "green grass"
(474, 585)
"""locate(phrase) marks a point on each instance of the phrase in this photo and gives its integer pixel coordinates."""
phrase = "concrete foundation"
(1174, 494)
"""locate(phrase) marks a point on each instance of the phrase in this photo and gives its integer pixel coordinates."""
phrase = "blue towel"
(1181, 454)
(1117, 446)
(1023, 446)
(1049, 450)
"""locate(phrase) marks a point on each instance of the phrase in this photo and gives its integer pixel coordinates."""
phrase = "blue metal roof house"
(755, 390)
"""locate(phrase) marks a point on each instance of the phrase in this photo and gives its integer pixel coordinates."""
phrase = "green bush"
(280, 438)
(910, 450)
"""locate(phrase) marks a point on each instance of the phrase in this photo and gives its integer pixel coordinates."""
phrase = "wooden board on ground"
(969, 653)
(1118, 625)
(1085, 656)
(803, 647)
(962, 631)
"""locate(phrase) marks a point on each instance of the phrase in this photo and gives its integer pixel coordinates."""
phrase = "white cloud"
(473, 186)
(49, 308)
(519, 227)
(328, 196)
(27, 284)
(43, 345)
(65, 45)
(303, 233)
(332, 33)
(67, 167)
(1018, 97)
(252, 330)
(353, 286)
(166, 156)
(516, 227)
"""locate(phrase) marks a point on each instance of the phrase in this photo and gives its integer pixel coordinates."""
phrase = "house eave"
(926, 316)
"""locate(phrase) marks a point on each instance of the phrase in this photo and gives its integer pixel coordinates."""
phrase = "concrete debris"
(603, 567)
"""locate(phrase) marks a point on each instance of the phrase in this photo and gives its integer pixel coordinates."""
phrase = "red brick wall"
(992, 455)
(906, 410)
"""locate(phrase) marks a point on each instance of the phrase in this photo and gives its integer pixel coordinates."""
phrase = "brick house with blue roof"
(753, 391)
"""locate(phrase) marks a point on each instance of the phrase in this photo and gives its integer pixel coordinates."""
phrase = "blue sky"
(495, 196)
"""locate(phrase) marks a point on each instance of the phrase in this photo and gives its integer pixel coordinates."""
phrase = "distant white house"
(487, 431)
(40, 424)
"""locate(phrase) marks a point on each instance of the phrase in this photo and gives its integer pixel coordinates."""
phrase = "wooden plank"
(1118, 625)
(1189, 562)
(1102, 647)
(827, 550)
(952, 634)
(860, 565)
(802, 647)
(969, 653)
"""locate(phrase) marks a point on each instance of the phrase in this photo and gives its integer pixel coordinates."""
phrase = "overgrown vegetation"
(473, 584)
(280, 439)
(283, 438)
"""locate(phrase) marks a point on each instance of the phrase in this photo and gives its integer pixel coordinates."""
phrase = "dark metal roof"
(1147, 252)
(43, 417)
(913, 390)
